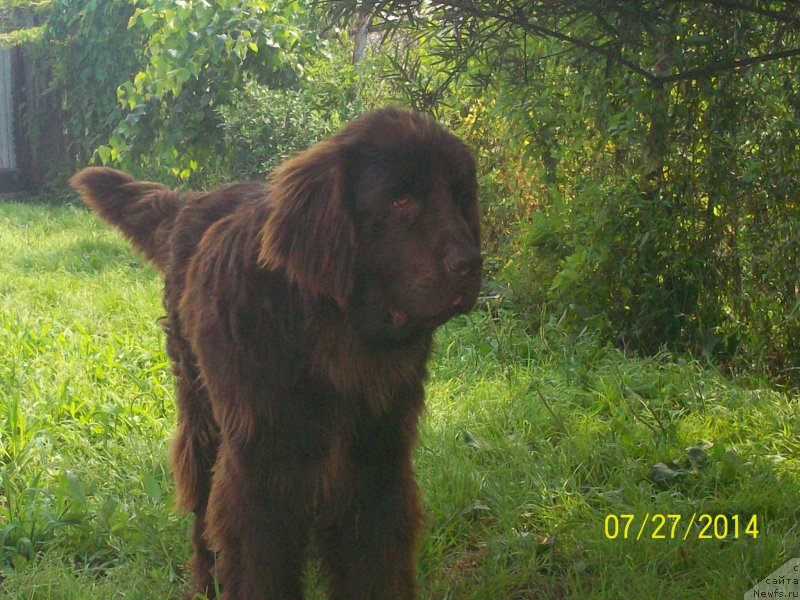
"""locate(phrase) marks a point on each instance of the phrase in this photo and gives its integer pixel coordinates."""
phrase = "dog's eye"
(402, 204)
(405, 206)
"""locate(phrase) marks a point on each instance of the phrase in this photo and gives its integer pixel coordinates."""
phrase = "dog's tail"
(144, 211)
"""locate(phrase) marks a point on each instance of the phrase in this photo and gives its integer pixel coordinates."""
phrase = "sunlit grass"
(531, 439)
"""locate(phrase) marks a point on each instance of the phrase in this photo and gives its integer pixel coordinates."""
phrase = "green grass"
(530, 441)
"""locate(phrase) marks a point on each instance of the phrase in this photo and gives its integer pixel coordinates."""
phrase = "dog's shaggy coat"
(300, 318)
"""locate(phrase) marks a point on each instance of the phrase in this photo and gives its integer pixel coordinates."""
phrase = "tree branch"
(728, 66)
(518, 19)
(531, 28)
(731, 5)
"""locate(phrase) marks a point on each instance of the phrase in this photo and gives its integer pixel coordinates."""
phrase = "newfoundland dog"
(300, 313)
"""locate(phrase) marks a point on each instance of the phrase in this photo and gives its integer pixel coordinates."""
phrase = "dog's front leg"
(258, 522)
(368, 532)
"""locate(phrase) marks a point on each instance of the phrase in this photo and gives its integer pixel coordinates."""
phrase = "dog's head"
(382, 218)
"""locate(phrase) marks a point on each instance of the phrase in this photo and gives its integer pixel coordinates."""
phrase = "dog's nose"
(464, 261)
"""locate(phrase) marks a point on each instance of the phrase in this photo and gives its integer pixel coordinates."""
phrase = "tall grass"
(531, 440)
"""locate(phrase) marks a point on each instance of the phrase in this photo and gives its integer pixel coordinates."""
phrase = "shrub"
(263, 125)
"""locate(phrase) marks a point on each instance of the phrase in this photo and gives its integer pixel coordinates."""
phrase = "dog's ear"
(309, 232)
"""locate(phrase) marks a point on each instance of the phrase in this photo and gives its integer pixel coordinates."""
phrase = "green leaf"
(71, 483)
(104, 153)
(149, 19)
(152, 487)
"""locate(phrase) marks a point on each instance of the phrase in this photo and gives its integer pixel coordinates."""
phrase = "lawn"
(535, 445)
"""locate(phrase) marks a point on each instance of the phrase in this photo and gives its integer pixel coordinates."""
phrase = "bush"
(263, 125)
(699, 256)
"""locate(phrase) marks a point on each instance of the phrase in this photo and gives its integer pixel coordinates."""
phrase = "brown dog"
(300, 318)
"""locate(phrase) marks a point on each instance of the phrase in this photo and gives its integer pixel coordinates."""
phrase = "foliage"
(139, 85)
(664, 151)
(638, 37)
(264, 125)
(84, 52)
(198, 57)
(18, 37)
(17, 25)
